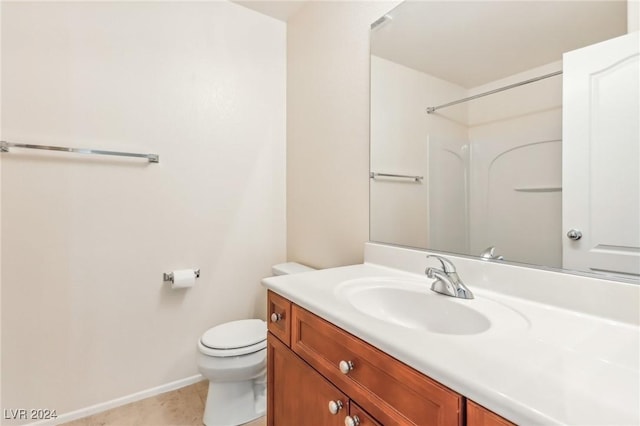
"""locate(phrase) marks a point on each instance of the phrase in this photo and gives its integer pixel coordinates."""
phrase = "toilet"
(233, 357)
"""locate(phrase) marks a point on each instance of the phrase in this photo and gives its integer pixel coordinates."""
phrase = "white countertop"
(564, 367)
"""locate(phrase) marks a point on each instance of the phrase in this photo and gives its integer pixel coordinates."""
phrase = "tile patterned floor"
(182, 407)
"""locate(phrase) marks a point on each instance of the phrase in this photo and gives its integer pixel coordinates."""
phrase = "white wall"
(85, 315)
(328, 131)
(407, 140)
(633, 15)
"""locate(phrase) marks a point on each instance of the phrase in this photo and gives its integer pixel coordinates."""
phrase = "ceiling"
(281, 10)
(471, 43)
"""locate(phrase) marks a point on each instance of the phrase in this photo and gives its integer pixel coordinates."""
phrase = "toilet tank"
(290, 268)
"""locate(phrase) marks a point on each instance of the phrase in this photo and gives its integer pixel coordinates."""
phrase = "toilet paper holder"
(168, 276)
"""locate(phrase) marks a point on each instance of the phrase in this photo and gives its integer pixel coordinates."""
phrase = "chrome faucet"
(447, 281)
(490, 254)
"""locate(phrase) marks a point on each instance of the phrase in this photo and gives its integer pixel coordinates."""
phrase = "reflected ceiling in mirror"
(487, 172)
(477, 42)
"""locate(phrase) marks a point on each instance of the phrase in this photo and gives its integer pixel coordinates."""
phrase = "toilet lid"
(235, 334)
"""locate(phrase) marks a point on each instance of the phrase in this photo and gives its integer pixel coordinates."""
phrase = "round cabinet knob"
(351, 421)
(275, 317)
(345, 366)
(574, 234)
(335, 406)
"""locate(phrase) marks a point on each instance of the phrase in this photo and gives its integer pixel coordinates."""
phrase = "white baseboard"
(107, 405)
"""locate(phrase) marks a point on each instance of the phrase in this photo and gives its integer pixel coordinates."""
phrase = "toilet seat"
(234, 338)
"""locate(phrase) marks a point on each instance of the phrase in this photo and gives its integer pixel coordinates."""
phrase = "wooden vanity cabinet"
(311, 362)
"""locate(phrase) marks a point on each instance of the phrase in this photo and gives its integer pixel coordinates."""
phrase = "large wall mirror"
(508, 130)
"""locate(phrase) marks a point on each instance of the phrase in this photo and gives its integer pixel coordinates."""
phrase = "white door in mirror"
(601, 157)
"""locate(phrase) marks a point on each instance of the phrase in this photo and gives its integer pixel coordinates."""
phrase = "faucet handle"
(490, 253)
(430, 272)
(447, 266)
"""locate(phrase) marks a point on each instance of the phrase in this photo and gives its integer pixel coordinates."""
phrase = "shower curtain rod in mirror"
(4, 147)
(431, 110)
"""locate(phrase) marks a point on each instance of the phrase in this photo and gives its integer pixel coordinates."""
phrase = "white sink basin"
(410, 303)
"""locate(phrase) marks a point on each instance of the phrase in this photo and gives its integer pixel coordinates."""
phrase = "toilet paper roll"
(183, 278)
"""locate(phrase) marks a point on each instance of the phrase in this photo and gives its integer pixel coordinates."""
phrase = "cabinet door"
(297, 394)
(480, 416)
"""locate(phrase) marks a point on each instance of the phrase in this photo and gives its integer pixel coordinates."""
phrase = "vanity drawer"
(480, 416)
(362, 417)
(389, 390)
(279, 317)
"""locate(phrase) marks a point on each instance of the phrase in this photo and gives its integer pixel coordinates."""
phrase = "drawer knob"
(345, 366)
(351, 421)
(335, 406)
(275, 317)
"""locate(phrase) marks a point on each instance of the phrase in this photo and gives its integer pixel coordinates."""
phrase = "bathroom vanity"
(308, 355)
(371, 344)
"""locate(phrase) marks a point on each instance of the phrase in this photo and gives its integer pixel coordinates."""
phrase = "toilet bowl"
(233, 357)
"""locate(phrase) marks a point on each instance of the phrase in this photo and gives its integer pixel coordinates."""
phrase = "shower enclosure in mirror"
(467, 133)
